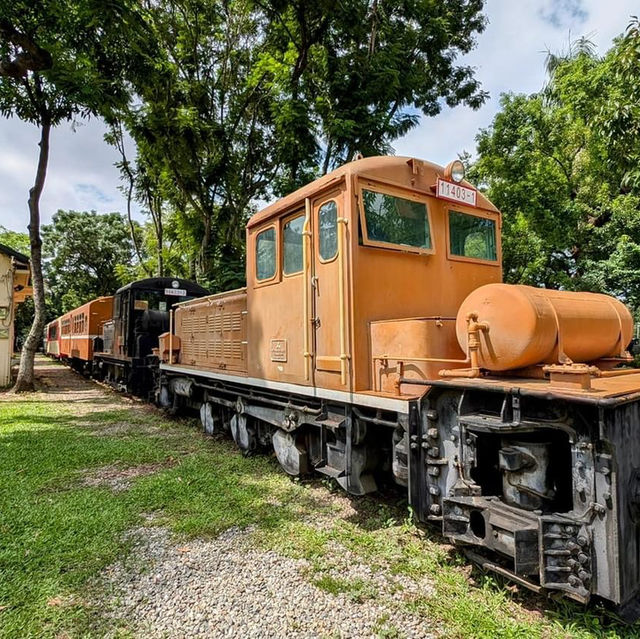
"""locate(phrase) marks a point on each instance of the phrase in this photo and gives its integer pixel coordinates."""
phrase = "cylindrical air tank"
(528, 326)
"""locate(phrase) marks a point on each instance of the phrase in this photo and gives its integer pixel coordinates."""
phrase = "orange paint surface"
(81, 326)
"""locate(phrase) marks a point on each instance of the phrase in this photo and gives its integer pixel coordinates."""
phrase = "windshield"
(396, 220)
(154, 300)
(472, 236)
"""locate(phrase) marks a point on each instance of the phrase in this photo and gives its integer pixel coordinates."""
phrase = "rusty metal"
(474, 329)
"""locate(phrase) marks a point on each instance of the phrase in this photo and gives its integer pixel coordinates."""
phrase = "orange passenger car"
(80, 327)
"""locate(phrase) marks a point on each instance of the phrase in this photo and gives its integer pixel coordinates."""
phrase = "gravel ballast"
(224, 587)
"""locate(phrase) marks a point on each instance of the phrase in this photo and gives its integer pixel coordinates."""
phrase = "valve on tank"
(526, 477)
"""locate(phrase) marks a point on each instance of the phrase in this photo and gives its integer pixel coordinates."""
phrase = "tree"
(15, 240)
(83, 252)
(202, 142)
(249, 99)
(620, 114)
(571, 213)
(56, 64)
(348, 77)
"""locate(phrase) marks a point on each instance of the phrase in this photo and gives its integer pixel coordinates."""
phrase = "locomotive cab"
(140, 315)
(342, 271)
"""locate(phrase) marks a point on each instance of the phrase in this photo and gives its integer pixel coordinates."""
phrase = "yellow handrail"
(306, 285)
(344, 356)
(171, 336)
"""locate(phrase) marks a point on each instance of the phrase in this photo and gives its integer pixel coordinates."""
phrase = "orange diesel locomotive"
(375, 341)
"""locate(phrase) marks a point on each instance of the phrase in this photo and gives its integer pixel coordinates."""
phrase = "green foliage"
(548, 161)
(17, 241)
(348, 77)
(61, 59)
(245, 100)
(200, 130)
(357, 589)
(620, 114)
(82, 252)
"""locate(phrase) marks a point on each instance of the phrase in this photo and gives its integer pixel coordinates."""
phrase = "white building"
(15, 287)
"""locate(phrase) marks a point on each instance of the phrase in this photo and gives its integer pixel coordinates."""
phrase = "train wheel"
(164, 397)
(291, 452)
(207, 418)
(243, 433)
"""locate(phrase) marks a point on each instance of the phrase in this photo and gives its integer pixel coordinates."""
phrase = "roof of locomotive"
(83, 307)
(162, 283)
(390, 168)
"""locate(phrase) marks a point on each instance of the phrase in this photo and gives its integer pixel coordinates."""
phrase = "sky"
(509, 57)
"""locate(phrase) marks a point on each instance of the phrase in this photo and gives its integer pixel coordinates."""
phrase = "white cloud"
(509, 57)
(563, 13)
(81, 174)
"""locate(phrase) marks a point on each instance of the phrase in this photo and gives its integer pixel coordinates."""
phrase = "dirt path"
(62, 384)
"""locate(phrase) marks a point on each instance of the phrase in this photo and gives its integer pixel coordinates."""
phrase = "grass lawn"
(62, 523)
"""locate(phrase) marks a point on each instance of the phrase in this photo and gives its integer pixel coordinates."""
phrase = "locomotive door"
(329, 320)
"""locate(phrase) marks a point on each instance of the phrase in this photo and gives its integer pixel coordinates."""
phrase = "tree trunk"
(160, 246)
(25, 379)
(205, 243)
(155, 207)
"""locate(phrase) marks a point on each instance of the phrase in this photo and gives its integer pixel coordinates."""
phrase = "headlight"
(454, 171)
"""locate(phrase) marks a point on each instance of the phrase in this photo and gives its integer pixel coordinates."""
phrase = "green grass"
(57, 535)
(357, 590)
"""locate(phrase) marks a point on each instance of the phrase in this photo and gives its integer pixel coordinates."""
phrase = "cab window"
(292, 246)
(266, 254)
(328, 223)
(396, 220)
(472, 236)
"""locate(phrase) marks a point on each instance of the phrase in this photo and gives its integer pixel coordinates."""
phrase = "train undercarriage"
(544, 488)
(540, 490)
(127, 375)
(350, 444)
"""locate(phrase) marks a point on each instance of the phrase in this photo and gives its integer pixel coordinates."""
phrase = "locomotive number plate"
(278, 350)
(456, 192)
(179, 292)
